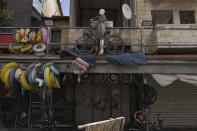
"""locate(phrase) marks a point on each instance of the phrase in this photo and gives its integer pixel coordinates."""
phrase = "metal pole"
(142, 38)
(48, 39)
(147, 126)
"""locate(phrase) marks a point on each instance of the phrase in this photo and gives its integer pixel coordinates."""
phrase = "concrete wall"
(164, 35)
(176, 36)
(144, 8)
(64, 32)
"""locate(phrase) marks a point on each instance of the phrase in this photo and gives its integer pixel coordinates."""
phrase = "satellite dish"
(126, 10)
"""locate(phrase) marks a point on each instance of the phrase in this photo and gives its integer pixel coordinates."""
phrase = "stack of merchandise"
(29, 41)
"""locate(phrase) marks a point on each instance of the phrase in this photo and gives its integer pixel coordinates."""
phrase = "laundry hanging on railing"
(167, 79)
(128, 58)
(90, 59)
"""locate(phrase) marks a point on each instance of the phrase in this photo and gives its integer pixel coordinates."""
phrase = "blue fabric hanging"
(128, 58)
(90, 59)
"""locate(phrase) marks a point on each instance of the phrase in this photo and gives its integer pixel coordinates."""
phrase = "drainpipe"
(135, 14)
(72, 13)
(133, 5)
(142, 38)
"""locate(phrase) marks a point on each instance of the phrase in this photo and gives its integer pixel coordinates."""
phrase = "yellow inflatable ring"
(47, 77)
(26, 48)
(4, 70)
(12, 50)
(53, 79)
(24, 83)
(57, 82)
(6, 79)
(52, 83)
(11, 65)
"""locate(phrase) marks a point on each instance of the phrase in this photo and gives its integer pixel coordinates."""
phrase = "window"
(111, 15)
(187, 17)
(56, 38)
(162, 17)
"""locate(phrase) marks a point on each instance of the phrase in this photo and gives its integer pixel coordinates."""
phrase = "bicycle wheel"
(148, 94)
(114, 44)
(142, 119)
(85, 45)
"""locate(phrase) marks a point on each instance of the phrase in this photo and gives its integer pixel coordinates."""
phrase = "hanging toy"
(23, 32)
(28, 70)
(79, 66)
(26, 37)
(39, 49)
(13, 81)
(82, 62)
(40, 82)
(24, 82)
(32, 37)
(50, 78)
(18, 74)
(14, 48)
(6, 78)
(26, 48)
(18, 36)
(44, 35)
(39, 37)
(5, 69)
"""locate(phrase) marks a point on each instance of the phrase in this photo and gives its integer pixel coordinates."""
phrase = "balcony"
(151, 40)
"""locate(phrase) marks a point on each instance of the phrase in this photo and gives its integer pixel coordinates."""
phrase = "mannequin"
(101, 29)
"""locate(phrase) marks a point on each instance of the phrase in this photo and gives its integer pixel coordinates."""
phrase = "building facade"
(169, 42)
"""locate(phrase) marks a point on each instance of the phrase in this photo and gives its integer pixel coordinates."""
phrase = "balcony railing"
(149, 39)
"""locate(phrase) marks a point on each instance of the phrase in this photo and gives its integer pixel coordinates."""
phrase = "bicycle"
(144, 121)
(88, 43)
(47, 120)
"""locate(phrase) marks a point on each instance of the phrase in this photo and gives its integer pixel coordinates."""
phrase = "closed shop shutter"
(177, 104)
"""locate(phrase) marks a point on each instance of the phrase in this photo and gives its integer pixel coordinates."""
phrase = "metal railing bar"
(21, 27)
(125, 44)
(6, 33)
(65, 27)
(170, 28)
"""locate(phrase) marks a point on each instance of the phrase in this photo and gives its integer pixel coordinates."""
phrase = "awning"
(167, 79)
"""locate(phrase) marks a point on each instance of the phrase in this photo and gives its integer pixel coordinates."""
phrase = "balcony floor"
(180, 64)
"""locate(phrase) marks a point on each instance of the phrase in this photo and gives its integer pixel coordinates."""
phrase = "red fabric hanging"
(6, 39)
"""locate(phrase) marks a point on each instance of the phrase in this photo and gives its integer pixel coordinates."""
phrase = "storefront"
(176, 104)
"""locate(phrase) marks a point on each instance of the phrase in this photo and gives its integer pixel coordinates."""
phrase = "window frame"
(169, 11)
(194, 17)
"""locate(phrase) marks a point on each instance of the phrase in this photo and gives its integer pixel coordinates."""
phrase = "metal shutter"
(177, 104)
